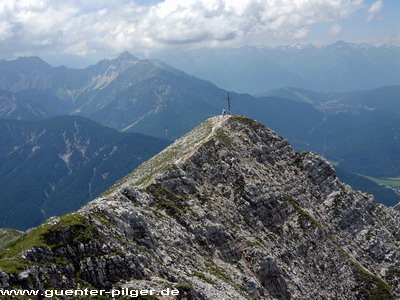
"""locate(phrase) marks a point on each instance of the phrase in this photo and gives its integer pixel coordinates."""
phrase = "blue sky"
(94, 29)
(383, 28)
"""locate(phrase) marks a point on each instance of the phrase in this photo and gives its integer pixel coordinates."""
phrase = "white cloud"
(335, 29)
(302, 33)
(81, 27)
(374, 9)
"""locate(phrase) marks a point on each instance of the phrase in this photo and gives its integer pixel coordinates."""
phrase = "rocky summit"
(228, 211)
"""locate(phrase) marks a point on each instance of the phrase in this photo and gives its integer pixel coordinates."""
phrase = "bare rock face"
(229, 211)
(4, 278)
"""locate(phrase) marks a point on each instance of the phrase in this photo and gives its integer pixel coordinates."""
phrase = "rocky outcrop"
(229, 211)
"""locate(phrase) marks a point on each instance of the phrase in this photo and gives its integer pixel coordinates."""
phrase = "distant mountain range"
(129, 94)
(359, 129)
(125, 93)
(31, 104)
(152, 98)
(385, 99)
(55, 166)
(338, 67)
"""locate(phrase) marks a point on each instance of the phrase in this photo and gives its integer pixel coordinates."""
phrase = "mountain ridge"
(237, 213)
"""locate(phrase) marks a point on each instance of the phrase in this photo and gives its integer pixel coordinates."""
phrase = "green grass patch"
(252, 243)
(375, 287)
(82, 231)
(393, 275)
(246, 219)
(8, 235)
(204, 278)
(184, 287)
(13, 265)
(389, 182)
(303, 214)
(233, 224)
(32, 239)
(166, 200)
(299, 159)
(213, 269)
(248, 122)
(103, 219)
(223, 138)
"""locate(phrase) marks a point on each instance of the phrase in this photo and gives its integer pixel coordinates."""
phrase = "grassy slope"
(8, 235)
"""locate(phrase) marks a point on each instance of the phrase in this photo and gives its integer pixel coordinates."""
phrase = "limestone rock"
(229, 211)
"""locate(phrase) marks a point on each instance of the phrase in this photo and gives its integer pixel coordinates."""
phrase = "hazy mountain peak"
(340, 43)
(343, 44)
(126, 56)
(33, 61)
(230, 210)
(121, 62)
(24, 64)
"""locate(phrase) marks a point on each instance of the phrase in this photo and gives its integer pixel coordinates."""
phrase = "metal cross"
(229, 103)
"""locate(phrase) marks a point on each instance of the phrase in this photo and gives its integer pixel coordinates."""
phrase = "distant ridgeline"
(55, 166)
(339, 67)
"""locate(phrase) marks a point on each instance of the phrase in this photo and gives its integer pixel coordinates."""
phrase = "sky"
(84, 30)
